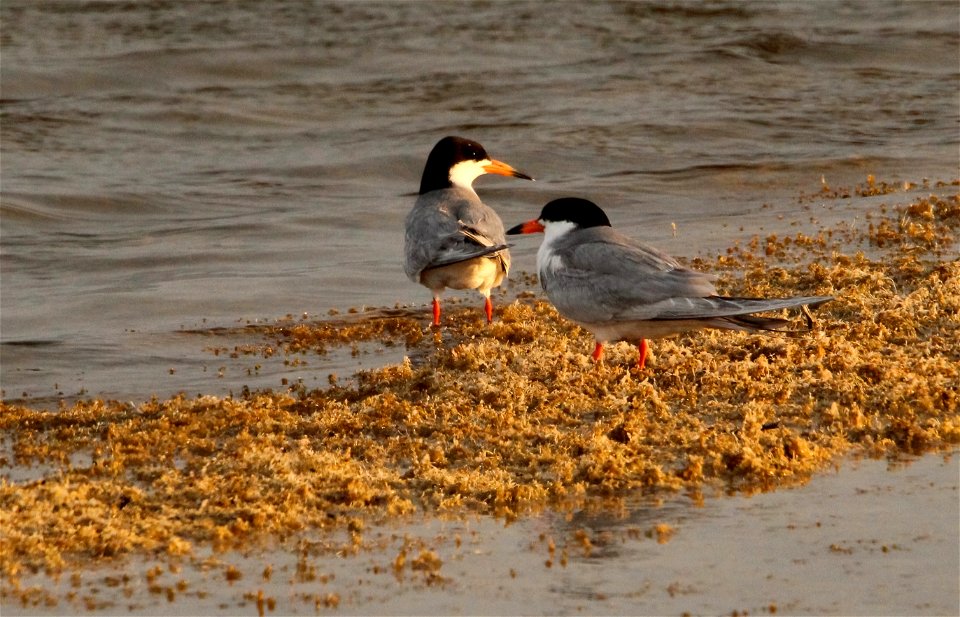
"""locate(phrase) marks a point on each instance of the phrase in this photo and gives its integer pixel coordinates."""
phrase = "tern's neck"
(460, 176)
(547, 257)
(464, 173)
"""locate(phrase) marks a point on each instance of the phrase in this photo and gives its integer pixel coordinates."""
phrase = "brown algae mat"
(514, 416)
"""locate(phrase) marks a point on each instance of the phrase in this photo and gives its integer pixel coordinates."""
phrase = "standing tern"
(453, 239)
(622, 290)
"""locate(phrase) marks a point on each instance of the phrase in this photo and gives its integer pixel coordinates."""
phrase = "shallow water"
(877, 539)
(173, 166)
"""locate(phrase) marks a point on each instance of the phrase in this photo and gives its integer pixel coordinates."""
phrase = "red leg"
(488, 309)
(642, 358)
(436, 311)
(597, 351)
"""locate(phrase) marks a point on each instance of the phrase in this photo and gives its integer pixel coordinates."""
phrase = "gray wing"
(450, 226)
(608, 276)
(718, 306)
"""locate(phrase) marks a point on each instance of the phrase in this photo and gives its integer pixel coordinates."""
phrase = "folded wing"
(450, 226)
(603, 275)
(606, 276)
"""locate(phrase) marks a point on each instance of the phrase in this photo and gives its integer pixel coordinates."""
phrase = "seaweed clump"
(512, 416)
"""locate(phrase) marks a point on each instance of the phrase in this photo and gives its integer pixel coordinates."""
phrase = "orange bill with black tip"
(530, 227)
(502, 169)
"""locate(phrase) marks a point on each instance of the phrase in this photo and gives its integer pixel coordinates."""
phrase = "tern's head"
(457, 162)
(567, 213)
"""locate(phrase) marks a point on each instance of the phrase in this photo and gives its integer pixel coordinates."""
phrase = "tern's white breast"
(548, 260)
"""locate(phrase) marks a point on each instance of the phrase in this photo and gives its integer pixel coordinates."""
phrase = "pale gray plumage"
(607, 276)
(453, 240)
(603, 275)
(448, 226)
(621, 289)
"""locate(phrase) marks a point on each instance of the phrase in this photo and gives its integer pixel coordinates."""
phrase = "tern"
(452, 238)
(623, 290)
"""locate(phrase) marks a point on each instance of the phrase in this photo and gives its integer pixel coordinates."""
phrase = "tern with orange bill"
(622, 290)
(452, 238)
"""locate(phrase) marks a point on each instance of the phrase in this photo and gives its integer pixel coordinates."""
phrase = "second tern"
(452, 238)
(622, 290)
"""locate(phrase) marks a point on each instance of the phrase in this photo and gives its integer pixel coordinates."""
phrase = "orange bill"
(530, 227)
(502, 169)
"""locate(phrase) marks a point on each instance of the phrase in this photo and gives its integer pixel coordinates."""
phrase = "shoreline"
(211, 357)
(839, 544)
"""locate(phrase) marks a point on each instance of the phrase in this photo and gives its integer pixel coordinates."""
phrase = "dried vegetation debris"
(512, 416)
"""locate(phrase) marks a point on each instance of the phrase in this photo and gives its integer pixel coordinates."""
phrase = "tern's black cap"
(448, 152)
(581, 212)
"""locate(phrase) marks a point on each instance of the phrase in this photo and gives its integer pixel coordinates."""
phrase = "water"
(170, 166)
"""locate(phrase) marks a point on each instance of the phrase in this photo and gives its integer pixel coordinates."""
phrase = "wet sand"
(479, 426)
(869, 538)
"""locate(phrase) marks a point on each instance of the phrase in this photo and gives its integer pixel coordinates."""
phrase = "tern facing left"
(452, 238)
(622, 290)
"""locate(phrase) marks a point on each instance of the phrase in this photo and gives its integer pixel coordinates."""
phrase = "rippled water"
(171, 165)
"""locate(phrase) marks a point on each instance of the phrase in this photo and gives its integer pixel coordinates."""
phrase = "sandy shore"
(511, 420)
(849, 542)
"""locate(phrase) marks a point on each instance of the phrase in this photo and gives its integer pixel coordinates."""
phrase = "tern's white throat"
(465, 172)
(547, 257)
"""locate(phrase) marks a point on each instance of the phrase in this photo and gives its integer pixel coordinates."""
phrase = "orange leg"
(436, 311)
(597, 351)
(642, 358)
(488, 309)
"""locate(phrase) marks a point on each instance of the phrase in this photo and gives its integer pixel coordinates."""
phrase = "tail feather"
(753, 322)
(719, 307)
(464, 255)
(811, 301)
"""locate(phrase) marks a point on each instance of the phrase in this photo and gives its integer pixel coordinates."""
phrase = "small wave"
(31, 343)
(694, 171)
(73, 207)
(772, 44)
(687, 10)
